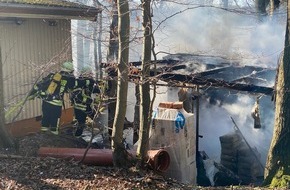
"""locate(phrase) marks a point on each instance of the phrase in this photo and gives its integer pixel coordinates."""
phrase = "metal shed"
(35, 37)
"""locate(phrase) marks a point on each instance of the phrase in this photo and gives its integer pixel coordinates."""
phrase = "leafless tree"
(277, 169)
(6, 139)
(144, 82)
(119, 152)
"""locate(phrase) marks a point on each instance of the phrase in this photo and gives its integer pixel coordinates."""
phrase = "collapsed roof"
(207, 72)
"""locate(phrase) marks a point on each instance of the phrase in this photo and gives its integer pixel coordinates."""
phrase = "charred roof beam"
(169, 77)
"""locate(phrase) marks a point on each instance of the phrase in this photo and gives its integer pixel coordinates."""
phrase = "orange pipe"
(158, 160)
(102, 157)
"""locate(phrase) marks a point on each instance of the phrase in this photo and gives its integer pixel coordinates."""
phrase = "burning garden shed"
(218, 92)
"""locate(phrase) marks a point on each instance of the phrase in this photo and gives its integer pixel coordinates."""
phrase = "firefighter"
(82, 100)
(51, 90)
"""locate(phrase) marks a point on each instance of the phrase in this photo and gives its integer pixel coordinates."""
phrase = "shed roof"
(209, 71)
(54, 9)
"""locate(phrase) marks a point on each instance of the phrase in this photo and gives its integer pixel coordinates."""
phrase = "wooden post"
(197, 120)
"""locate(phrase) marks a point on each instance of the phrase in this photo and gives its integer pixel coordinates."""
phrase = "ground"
(25, 170)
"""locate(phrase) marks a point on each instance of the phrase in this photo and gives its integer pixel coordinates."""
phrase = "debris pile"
(238, 157)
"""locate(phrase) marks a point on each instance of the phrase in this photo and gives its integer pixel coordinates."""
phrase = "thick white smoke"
(214, 31)
(244, 38)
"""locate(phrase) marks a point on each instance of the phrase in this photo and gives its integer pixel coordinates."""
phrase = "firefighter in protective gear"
(82, 101)
(51, 90)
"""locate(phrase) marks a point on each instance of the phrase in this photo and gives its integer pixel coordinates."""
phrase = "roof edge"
(37, 11)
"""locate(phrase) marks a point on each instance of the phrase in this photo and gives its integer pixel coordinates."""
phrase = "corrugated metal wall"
(29, 51)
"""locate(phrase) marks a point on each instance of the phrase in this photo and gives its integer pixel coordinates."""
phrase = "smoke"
(216, 121)
(238, 38)
(214, 31)
(244, 39)
(213, 122)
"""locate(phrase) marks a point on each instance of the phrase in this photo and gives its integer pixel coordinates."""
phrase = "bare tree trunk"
(99, 44)
(6, 139)
(80, 44)
(274, 4)
(119, 152)
(277, 167)
(225, 3)
(136, 121)
(145, 86)
(261, 6)
(112, 57)
(98, 31)
(113, 44)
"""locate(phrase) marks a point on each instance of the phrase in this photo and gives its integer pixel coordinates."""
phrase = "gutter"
(37, 11)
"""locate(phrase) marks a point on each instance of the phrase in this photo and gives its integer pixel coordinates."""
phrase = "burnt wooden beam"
(197, 80)
(165, 61)
(111, 68)
(243, 70)
(212, 71)
(138, 63)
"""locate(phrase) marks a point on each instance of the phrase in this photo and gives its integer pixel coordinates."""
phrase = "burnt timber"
(166, 73)
(209, 82)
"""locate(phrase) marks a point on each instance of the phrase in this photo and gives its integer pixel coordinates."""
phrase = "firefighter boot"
(44, 129)
(79, 131)
(54, 131)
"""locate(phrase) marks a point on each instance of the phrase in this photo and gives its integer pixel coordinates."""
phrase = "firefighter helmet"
(67, 66)
(86, 71)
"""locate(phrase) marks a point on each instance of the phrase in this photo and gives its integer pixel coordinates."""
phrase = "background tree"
(145, 86)
(277, 171)
(6, 140)
(119, 152)
(274, 4)
(112, 57)
(97, 35)
(261, 6)
(113, 43)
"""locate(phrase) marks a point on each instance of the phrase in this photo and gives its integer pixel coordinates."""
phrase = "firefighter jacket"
(81, 96)
(53, 87)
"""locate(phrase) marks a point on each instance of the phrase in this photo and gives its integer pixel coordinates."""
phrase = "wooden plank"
(170, 77)
(32, 125)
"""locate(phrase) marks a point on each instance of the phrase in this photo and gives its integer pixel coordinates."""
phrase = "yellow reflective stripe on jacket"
(87, 82)
(63, 84)
(82, 107)
(85, 99)
(55, 102)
